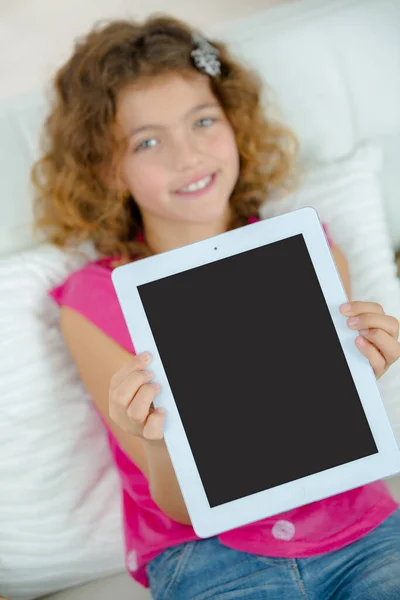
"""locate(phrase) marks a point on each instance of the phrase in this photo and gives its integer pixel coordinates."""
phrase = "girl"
(157, 139)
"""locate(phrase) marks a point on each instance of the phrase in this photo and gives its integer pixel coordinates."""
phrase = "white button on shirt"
(283, 530)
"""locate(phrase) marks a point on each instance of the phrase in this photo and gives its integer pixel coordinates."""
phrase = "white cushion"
(348, 196)
(333, 71)
(60, 517)
(60, 514)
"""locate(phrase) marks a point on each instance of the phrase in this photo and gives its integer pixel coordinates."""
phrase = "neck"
(162, 235)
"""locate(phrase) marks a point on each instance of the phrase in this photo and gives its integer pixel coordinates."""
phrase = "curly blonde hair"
(73, 202)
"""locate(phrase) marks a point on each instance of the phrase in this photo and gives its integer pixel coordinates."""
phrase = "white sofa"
(333, 66)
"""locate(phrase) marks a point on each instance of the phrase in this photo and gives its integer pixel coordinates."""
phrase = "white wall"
(37, 35)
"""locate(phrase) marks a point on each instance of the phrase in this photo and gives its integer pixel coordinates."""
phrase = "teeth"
(198, 185)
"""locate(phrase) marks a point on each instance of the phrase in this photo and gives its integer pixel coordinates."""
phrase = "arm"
(98, 358)
(343, 268)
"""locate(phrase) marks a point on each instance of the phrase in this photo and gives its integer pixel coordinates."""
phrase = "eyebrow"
(192, 111)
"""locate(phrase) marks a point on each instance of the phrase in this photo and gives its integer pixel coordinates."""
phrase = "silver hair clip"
(205, 56)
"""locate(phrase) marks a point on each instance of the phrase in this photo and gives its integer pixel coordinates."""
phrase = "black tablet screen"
(256, 370)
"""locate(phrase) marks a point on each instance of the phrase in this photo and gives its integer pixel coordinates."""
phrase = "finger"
(377, 361)
(135, 363)
(138, 410)
(126, 390)
(153, 430)
(375, 321)
(388, 346)
(351, 309)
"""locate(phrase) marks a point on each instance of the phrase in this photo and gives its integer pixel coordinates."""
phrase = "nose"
(185, 153)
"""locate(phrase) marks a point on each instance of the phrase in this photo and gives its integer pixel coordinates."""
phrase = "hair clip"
(205, 56)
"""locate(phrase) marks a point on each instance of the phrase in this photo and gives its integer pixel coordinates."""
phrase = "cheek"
(144, 179)
(225, 148)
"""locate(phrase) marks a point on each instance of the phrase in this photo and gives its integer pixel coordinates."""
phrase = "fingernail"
(346, 308)
(144, 356)
(149, 375)
(364, 331)
(155, 385)
(353, 322)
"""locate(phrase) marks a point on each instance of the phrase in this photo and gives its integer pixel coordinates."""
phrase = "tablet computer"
(269, 403)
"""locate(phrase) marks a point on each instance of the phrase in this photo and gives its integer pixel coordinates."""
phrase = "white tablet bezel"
(208, 521)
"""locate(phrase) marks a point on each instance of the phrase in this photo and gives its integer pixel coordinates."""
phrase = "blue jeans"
(368, 569)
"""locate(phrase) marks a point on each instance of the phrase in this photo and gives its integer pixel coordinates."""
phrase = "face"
(181, 162)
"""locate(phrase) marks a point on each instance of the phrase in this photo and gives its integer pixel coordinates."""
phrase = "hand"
(131, 398)
(378, 339)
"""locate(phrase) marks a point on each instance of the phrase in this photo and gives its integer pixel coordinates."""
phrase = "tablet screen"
(256, 369)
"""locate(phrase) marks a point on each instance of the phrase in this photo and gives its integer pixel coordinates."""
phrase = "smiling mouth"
(197, 186)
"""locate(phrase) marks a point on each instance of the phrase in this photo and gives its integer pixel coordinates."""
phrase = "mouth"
(198, 187)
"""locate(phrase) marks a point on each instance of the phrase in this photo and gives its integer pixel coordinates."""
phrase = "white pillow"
(60, 514)
(348, 197)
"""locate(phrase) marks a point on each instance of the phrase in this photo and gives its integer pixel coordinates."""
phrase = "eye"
(206, 122)
(146, 144)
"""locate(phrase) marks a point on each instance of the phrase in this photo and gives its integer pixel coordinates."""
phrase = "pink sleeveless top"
(314, 529)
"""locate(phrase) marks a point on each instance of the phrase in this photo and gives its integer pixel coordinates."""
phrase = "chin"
(213, 209)
(208, 217)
